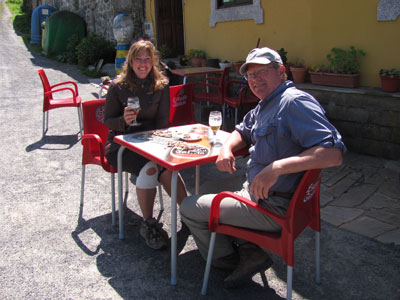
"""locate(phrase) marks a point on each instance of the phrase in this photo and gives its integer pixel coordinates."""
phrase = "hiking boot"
(153, 234)
(252, 260)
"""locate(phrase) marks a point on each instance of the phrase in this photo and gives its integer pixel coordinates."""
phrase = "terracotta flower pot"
(198, 62)
(390, 84)
(298, 74)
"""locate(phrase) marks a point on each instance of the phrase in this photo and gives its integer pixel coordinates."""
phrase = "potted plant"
(197, 57)
(298, 71)
(390, 80)
(183, 60)
(343, 69)
(283, 55)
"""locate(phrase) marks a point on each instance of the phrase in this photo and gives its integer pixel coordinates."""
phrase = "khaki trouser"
(195, 211)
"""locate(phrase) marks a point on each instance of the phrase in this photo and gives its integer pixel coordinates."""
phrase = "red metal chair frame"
(303, 211)
(212, 90)
(50, 103)
(244, 97)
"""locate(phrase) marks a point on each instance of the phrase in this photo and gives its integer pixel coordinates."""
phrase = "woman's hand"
(129, 115)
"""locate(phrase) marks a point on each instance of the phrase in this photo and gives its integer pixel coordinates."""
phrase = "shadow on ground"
(54, 142)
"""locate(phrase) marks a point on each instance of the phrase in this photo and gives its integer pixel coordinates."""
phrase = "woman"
(141, 77)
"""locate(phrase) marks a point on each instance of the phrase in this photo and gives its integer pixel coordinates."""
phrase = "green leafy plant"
(183, 60)
(69, 56)
(195, 53)
(283, 54)
(345, 61)
(391, 73)
(92, 48)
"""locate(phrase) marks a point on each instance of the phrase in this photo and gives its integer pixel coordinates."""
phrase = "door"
(170, 25)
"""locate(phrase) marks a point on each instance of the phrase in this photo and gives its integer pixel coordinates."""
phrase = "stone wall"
(368, 119)
(99, 14)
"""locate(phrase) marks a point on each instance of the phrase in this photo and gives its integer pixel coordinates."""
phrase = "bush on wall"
(93, 48)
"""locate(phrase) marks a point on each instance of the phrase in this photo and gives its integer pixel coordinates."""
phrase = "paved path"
(51, 249)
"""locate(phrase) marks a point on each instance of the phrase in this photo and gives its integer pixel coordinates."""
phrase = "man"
(286, 133)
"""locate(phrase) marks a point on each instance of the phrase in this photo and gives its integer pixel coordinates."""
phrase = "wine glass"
(134, 104)
(215, 121)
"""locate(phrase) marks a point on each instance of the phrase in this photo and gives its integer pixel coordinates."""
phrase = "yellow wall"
(307, 29)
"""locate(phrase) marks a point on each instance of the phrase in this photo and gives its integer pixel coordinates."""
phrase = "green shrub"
(92, 48)
(345, 61)
(72, 44)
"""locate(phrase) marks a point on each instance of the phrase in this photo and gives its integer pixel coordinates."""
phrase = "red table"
(185, 72)
(156, 148)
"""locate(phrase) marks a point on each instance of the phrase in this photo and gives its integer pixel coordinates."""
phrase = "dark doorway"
(169, 16)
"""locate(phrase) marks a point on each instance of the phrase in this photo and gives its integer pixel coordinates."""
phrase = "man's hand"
(226, 161)
(263, 182)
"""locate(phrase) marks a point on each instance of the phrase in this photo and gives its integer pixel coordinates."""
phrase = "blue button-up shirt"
(285, 124)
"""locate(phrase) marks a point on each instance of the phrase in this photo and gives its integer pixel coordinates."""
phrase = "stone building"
(99, 14)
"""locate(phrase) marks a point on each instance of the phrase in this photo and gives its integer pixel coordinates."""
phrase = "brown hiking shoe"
(252, 260)
(153, 234)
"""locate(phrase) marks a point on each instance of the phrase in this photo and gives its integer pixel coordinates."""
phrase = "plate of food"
(190, 137)
(189, 150)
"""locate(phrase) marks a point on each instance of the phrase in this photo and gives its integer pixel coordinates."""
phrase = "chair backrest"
(304, 208)
(45, 83)
(181, 105)
(223, 81)
(93, 121)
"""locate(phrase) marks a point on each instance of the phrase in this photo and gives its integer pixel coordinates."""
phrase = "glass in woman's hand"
(134, 104)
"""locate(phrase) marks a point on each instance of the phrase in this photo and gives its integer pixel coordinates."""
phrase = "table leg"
(197, 180)
(174, 180)
(120, 195)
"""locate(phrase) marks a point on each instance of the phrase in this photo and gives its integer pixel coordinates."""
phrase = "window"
(388, 10)
(231, 3)
(232, 10)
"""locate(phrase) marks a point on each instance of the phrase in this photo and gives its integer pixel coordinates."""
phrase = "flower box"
(334, 79)
(390, 84)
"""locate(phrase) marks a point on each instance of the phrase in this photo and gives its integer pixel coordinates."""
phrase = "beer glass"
(215, 121)
(134, 104)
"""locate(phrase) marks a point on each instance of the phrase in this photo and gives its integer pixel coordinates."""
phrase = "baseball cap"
(261, 56)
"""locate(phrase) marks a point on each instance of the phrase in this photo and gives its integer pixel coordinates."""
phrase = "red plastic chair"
(93, 142)
(212, 90)
(244, 97)
(181, 106)
(303, 211)
(50, 103)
